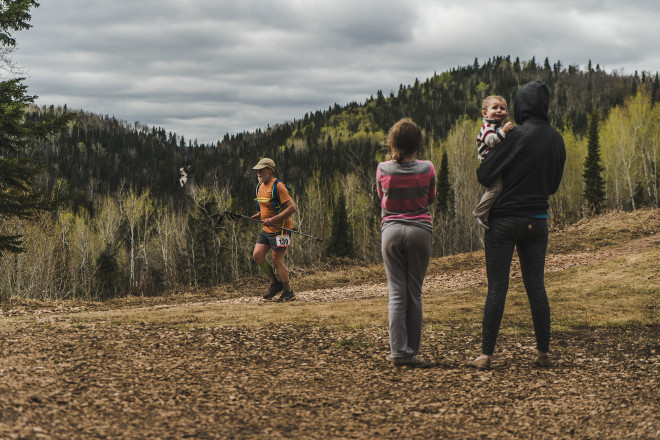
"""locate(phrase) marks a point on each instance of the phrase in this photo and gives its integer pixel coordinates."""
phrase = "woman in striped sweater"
(406, 187)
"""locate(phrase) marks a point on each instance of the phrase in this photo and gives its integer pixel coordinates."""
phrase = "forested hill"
(125, 225)
(100, 155)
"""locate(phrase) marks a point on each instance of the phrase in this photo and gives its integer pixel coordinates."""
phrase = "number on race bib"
(283, 240)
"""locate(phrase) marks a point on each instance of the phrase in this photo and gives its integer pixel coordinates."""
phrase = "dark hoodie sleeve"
(497, 160)
(559, 171)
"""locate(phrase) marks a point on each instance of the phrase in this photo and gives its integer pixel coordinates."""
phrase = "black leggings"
(530, 237)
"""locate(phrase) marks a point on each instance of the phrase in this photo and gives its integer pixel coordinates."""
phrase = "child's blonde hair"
(487, 99)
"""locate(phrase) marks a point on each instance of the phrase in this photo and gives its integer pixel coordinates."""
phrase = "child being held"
(493, 110)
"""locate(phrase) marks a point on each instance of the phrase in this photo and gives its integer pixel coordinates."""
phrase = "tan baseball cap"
(264, 163)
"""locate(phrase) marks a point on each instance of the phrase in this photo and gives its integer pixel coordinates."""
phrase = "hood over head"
(532, 100)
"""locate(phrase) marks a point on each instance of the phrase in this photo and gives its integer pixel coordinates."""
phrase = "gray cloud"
(203, 68)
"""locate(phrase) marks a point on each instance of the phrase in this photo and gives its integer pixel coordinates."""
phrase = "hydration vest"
(274, 199)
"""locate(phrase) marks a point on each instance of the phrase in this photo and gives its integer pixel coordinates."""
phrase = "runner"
(275, 210)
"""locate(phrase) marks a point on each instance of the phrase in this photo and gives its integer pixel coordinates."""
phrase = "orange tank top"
(266, 208)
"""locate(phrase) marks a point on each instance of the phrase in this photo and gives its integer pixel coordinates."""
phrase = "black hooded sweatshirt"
(530, 159)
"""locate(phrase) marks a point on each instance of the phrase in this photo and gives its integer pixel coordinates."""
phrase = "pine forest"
(138, 210)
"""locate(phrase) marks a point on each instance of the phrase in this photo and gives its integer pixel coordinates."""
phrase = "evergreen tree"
(341, 240)
(640, 197)
(17, 198)
(14, 16)
(443, 187)
(594, 184)
(546, 64)
(108, 273)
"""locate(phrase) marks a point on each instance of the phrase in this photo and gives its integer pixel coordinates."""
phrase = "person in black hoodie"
(531, 162)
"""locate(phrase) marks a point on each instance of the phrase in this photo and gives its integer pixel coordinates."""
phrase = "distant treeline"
(100, 155)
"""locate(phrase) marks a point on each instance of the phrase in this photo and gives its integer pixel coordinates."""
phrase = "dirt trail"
(439, 279)
(457, 279)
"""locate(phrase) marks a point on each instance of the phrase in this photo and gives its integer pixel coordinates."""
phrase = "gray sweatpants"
(406, 252)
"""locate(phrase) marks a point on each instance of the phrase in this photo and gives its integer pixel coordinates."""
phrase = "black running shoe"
(274, 289)
(286, 296)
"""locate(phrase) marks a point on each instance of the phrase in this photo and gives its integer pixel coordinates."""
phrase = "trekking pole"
(234, 216)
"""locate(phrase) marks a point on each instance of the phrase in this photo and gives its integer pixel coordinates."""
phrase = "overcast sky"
(203, 68)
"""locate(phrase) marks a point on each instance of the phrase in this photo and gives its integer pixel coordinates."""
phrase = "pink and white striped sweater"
(406, 191)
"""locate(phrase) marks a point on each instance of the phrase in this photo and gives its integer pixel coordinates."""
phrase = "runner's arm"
(288, 211)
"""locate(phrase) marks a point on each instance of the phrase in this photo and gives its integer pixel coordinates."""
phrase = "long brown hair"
(404, 139)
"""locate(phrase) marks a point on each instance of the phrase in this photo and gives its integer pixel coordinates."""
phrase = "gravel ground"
(138, 382)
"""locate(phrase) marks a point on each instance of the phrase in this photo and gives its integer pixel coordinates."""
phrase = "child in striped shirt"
(493, 110)
(406, 186)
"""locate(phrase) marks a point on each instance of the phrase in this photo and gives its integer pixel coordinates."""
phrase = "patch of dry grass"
(348, 314)
(619, 291)
(613, 227)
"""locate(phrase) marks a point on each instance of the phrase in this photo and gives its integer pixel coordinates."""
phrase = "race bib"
(283, 240)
